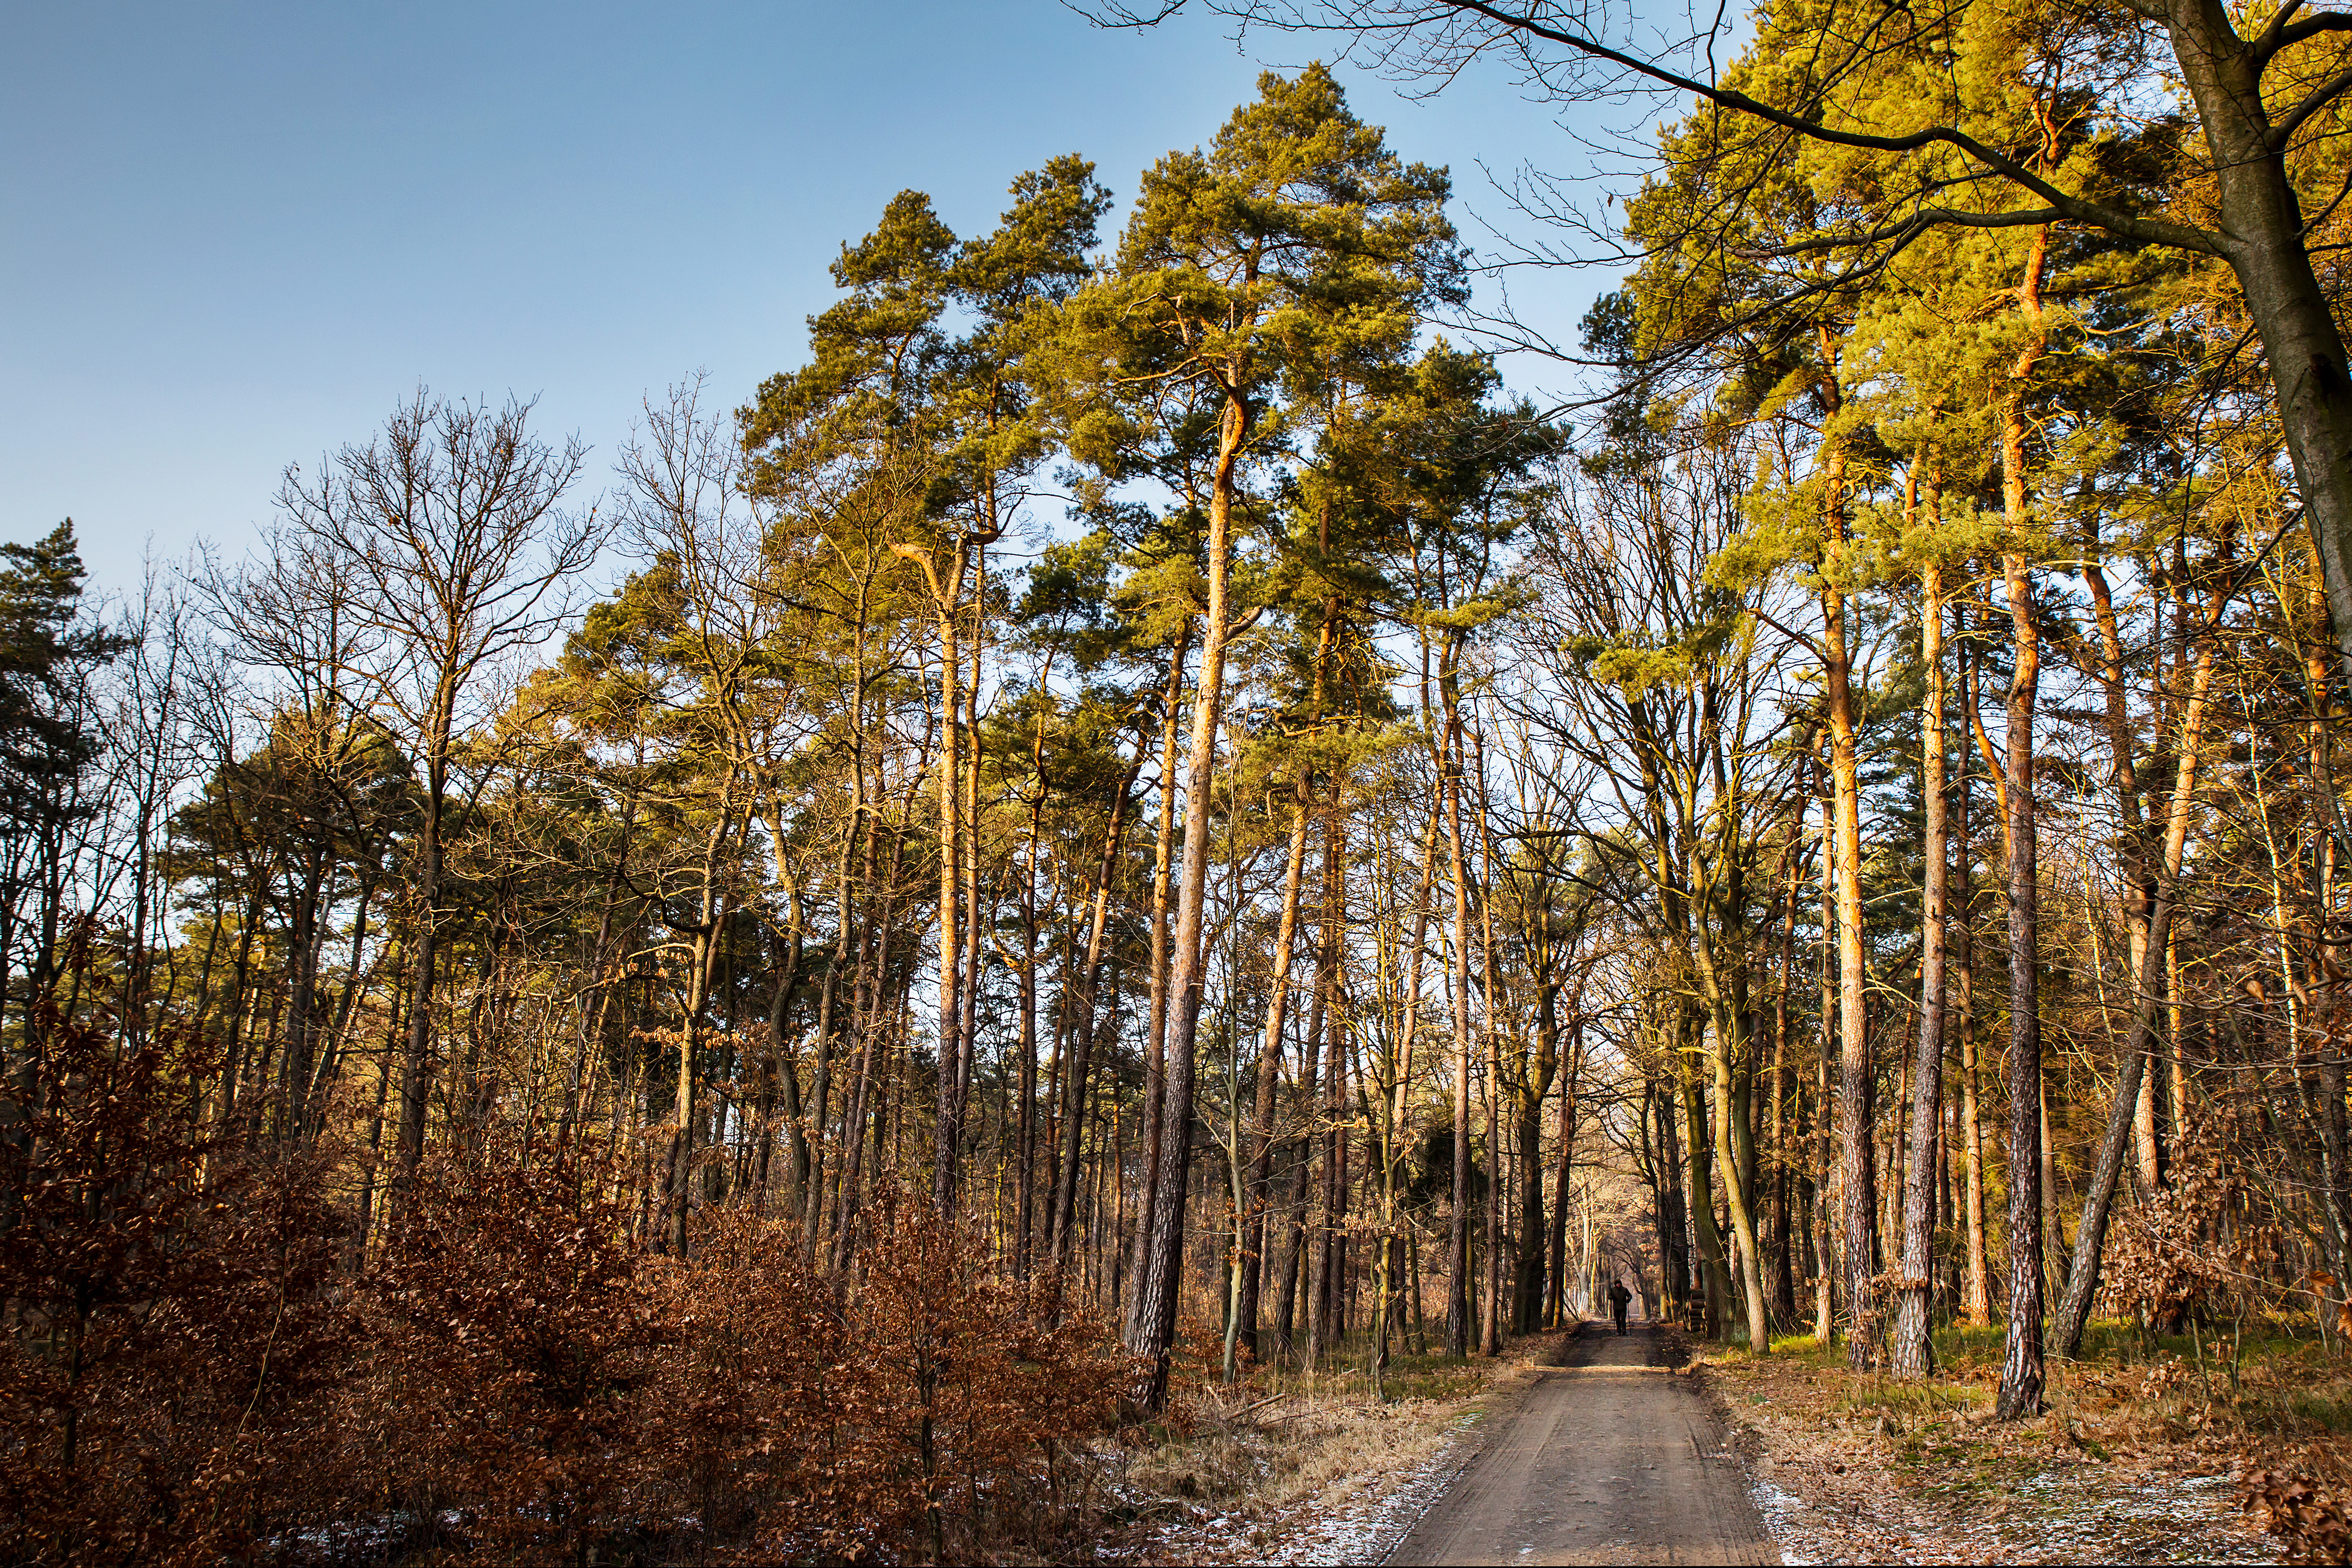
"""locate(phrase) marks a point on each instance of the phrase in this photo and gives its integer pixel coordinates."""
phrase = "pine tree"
(1297, 242)
(50, 743)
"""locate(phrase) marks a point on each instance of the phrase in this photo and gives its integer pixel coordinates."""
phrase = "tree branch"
(2280, 34)
(2073, 208)
(2319, 98)
(1523, 21)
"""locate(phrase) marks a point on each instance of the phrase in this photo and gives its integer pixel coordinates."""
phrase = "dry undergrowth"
(2143, 1454)
(1304, 1471)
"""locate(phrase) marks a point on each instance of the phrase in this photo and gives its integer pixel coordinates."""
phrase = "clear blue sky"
(236, 234)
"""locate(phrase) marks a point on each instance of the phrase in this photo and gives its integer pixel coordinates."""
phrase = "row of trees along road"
(1142, 759)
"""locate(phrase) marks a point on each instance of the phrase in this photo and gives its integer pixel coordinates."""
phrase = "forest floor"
(1311, 1471)
(2139, 1457)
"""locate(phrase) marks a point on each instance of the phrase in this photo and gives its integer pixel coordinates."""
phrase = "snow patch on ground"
(1781, 1512)
(1357, 1520)
(2065, 1514)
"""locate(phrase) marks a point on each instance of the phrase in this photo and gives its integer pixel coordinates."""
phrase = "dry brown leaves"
(1861, 1467)
(2309, 1520)
(1316, 1472)
(191, 1377)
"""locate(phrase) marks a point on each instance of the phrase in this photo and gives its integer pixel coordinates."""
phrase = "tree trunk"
(1784, 1092)
(1025, 1089)
(1457, 1234)
(1563, 1180)
(1063, 1205)
(1824, 1246)
(1858, 1244)
(1323, 1237)
(416, 1055)
(703, 956)
(1269, 1064)
(2090, 1236)
(1528, 1274)
(1857, 1154)
(1394, 1097)
(2021, 1374)
(2266, 242)
(1155, 1059)
(1698, 1164)
(1743, 1218)
(1913, 1354)
(1976, 1292)
(1292, 1222)
(1491, 1322)
(1155, 1326)
(948, 1123)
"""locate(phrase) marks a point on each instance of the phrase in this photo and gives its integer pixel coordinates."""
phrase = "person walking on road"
(1618, 1297)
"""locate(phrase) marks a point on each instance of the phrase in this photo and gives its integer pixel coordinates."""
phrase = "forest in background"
(1141, 819)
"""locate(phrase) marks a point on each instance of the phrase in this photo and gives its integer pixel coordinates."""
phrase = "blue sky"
(236, 234)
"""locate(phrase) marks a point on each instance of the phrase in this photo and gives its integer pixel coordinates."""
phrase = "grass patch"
(2141, 1433)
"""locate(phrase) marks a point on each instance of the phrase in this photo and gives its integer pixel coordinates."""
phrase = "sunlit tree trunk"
(1457, 1234)
(1857, 1160)
(2019, 1393)
(1155, 1326)
(1269, 1062)
(1060, 1218)
(1823, 1227)
(1394, 1123)
(1976, 1298)
(1912, 1355)
(1155, 1056)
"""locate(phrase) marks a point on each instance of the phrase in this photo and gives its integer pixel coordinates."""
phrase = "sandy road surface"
(1608, 1457)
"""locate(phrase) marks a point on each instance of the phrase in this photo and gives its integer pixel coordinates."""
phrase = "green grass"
(1801, 1347)
(1962, 1348)
(2317, 1412)
(1428, 1376)
(2128, 1393)
(1408, 1376)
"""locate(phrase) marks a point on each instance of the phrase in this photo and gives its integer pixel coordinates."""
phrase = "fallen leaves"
(2309, 1520)
(1864, 1469)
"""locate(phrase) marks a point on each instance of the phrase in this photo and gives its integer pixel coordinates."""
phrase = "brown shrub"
(2167, 1255)
(188, 1378)
(175, 1338)
(541, 1386)
(510, 1343)
(969, 1392)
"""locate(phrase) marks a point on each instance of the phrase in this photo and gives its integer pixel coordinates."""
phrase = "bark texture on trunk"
(1154, 1329)
(2262, 231)
(2021, 1369)
(1155, 1058)
(1457, 1234)
(2021, 1363)
(1913, 1354)
(1269, 1069)
(1857, 1154)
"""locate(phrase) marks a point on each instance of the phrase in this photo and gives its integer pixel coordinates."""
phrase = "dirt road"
(1608, 1457)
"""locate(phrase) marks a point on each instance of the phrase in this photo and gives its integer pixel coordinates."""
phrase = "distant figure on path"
(1618, 1296)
